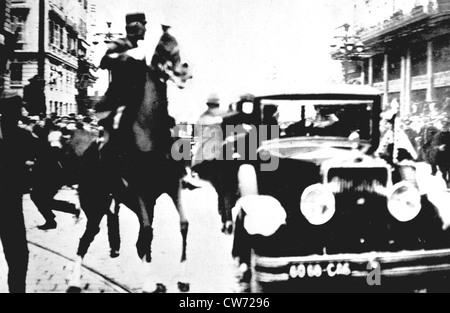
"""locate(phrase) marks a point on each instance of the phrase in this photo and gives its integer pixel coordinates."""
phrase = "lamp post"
(108, 36)
(107, 39)
(40, 100)
(350, 46)
(350, 49)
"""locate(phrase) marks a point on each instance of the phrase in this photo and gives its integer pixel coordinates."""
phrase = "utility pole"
(41, 54)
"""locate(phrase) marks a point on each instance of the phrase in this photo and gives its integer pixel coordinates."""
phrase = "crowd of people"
(34, 159)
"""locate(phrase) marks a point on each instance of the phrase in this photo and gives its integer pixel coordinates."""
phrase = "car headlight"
(318, 204)
(264, 215)
(405, 202)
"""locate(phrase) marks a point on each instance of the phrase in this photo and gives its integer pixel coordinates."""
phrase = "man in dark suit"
(16, 147)
(49, 176)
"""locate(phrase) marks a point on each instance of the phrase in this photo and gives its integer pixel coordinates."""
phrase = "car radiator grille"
(358, 180)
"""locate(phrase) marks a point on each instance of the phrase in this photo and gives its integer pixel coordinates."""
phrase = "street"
(210, 267)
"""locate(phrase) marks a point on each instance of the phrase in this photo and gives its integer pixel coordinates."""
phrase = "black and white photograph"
(224, 147)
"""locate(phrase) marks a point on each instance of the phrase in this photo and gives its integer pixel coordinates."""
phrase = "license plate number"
(319, 270)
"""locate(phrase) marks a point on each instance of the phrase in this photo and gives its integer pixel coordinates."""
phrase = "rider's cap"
(136, 17)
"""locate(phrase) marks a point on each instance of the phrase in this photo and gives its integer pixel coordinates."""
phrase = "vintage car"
(320, 208)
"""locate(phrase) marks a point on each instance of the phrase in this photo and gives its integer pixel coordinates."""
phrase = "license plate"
(319, 270)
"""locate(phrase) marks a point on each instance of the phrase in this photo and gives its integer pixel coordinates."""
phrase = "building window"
(57, 33)
(395, 66)
(16, 70)
(394, 96)
(418, 98)
(68, 78)
(366, 72)
(63, 38)
(441, 95)
(18, 26)
(378, 66)
(51, 32)
(418, 60)
(71, 44)
(441, 54)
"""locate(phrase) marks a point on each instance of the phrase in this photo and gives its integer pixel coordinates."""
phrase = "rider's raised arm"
(116, 53)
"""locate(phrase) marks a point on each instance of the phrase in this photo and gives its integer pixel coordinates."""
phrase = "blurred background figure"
(49, 176)
(208, 160)
(16, 147)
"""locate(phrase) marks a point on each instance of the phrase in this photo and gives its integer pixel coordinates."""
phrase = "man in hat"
(49, 175)
(208, 132)
(208, 161)
(15, 149)
(33, 96)
(122, 67)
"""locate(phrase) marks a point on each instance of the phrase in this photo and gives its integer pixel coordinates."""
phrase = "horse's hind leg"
(114, 230)
(434, 169)
(144, 246)
(144, 209)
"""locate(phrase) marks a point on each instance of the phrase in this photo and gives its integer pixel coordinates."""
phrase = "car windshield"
(351, 119)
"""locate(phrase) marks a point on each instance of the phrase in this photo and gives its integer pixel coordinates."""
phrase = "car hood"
(316, 149)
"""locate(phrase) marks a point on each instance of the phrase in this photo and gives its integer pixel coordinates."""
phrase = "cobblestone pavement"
(210, 268)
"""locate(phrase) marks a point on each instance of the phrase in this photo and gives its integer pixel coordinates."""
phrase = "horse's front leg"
(183, 284)
(143, 206)
(175, 194)
(145, 238)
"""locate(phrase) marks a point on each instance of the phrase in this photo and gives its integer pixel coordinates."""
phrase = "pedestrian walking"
(49, 177)
(208, 161)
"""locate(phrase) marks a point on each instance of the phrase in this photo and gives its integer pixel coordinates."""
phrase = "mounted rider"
(123, 68)
(137, 153)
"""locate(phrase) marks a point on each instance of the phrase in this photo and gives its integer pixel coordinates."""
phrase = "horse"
(439, 155)
(424, 140)
(139, 148)
(435, 150)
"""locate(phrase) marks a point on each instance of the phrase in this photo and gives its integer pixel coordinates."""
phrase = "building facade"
(406, 52)
(86, 73)
(64, 42)
(5, 31)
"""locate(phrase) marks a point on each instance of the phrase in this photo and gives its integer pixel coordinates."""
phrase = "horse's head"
(167, 58)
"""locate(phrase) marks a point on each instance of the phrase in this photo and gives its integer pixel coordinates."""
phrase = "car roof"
(335, 89)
